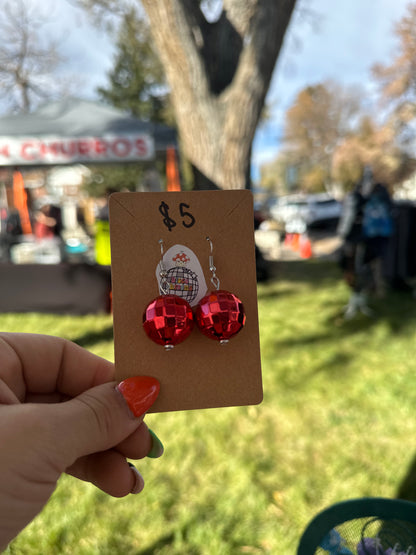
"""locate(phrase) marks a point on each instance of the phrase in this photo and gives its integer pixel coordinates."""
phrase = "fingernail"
(138, 484)
(139, 392)
(157, 446)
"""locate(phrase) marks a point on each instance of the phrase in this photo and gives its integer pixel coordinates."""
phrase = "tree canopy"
(397, 80)
(137, 85)
(137, 81)
(329, 137)
(375, 146)
(321, 116)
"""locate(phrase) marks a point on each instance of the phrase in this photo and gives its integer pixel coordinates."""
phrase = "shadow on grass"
(90, 338)
(396, 310)
(169, 538)
(398, 313)
(270, 293)
(305, 271)
(165, 540)
(338, 363)
(295, 272)
(407, 488)
(203, 517)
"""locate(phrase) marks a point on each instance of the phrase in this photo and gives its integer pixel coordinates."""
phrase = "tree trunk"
(219, 74)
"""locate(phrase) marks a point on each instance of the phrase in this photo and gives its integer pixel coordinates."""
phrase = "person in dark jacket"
(365, 227)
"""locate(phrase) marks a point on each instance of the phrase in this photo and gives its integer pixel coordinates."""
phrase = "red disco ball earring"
(220, 314)
(167, 319)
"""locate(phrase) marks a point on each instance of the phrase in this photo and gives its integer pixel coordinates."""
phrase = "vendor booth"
(74, 131)
(36, 277)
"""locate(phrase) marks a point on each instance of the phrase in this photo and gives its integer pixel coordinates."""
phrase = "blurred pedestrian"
(365, 226)
(48, 221)
(377, 230)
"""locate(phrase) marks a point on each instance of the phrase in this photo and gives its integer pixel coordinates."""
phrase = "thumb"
(103, 416)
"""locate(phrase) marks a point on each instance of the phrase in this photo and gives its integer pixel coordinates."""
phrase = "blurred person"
(48, 220)
(377, 230)
(61, 412)
(365, 226)
(46, 214)
(12, 232)
(13, 225)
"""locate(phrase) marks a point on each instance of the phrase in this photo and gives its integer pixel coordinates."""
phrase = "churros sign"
(68, 150)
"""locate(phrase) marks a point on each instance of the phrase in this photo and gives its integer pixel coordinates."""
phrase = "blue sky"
(341, 41)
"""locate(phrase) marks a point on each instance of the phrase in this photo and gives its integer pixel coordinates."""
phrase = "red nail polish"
(140, 392)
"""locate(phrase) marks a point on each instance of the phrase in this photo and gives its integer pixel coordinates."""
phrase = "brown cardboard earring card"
(199, 372)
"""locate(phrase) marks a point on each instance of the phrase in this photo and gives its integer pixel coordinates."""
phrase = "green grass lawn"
(337, 422)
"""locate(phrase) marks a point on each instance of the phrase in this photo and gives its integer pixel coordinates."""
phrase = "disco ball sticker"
(185, 277)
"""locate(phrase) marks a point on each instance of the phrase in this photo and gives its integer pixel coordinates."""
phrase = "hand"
(61, 412)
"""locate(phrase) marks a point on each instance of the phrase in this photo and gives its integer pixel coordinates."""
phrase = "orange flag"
(20, 202)
(172, 172)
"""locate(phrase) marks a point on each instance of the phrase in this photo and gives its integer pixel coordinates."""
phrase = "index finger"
(43, 364)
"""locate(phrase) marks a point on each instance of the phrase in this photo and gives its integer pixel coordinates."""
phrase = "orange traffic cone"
(288, 240)
(305, 247)
(295, 241)
(172, 173)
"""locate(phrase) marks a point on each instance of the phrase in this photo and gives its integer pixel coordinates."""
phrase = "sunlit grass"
(337, 422)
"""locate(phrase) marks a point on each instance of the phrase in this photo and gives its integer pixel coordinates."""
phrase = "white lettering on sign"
(68, 150)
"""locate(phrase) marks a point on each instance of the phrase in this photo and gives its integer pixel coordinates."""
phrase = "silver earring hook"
(164, 285)
(214, 279)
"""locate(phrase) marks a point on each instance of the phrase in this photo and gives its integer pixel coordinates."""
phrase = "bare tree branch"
(27, 60)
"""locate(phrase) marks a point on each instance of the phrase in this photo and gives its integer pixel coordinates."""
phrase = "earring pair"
(168, 319)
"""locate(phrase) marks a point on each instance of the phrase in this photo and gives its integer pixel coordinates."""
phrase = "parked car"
(319, 210)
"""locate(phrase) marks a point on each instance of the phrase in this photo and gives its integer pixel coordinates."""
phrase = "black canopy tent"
(64, 133)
